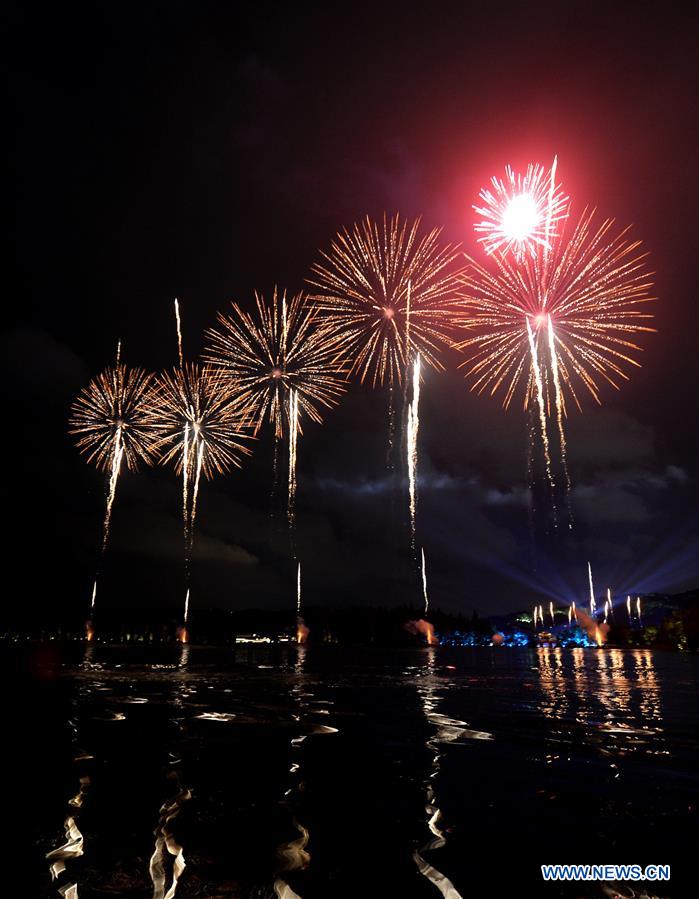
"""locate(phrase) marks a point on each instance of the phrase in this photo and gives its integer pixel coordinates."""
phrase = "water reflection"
(167, 861)
(165, 840)
(74, 844)
(293, 855)
(447, 730)
(611, 702)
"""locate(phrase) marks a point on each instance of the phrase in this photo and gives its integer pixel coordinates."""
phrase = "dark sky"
(204, 150)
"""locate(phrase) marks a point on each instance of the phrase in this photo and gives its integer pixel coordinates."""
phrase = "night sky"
(201, 151)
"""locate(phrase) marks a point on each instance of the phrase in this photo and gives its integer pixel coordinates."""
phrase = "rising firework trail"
(390, 291)
(424, 584)
(555, 316)
(113, 421)
(412, 427)
(179, 331)
(610, 603)
(593, 604)
(293, 442)
(628, 608)
(519, 213)
(301, 629)
(638, 610)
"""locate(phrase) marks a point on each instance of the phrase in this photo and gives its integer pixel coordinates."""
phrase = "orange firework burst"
(280, 350)
(389, 291)
(203, 424)
(572, 312)
(112, 418)
(520, 213)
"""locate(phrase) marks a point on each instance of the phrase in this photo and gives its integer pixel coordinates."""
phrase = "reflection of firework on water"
(555, 321)
(520, 212)
(113, 421)
(389, 291)
(167, 848)
(282, 347)
(203, 425)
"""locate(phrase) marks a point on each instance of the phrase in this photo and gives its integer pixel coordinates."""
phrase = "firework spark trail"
(541, 402)
(301, 630)
(628, 607)
(593, 604)
(610, 603)
(413, 426)
(293, 441)
(638, 610)
(389, 291)
(560, 411)
(519, 213)
(551, 613)
(179, 331)
(424, 584)
(113, 422)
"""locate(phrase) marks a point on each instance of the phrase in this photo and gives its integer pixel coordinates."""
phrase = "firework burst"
(203, 428)
(285, 363)
(557, 323)
(280, 348)
(521, 212)
(112, 419)
(390, 291)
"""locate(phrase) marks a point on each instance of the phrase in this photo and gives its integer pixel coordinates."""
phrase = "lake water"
(326, 772)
